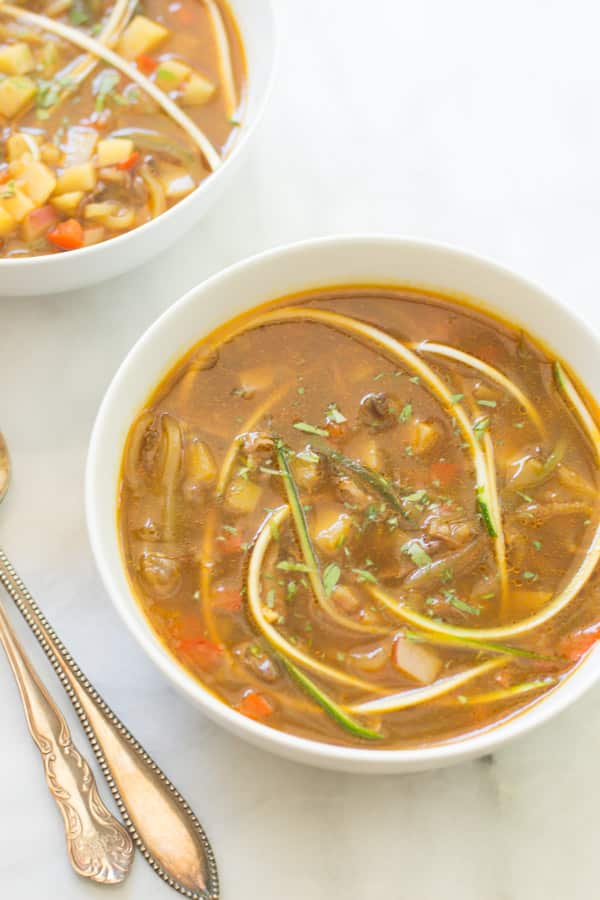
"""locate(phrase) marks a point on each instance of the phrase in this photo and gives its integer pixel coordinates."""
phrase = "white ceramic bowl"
(314, 264)
(91, 265)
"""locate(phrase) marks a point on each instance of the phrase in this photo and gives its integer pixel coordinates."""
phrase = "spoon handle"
(98, 846)
(159, 820)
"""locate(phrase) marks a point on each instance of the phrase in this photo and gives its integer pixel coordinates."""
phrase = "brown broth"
(161, 149)
(186, 549)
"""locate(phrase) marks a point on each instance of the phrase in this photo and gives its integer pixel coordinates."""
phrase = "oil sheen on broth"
(86, 153)
(368, 517)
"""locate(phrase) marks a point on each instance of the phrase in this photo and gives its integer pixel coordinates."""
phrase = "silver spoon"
(98, 846)
(159, 820)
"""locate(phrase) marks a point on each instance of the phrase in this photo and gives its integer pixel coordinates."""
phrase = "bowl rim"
(316, 752)
(246, 130)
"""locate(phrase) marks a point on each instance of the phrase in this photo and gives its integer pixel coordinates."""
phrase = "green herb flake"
(461, 605)
(525, 497)
(537, 545)
(287, 565)
(414, 379)
(331, 576)
(8, 190)
(365, 575)
(480, 427)
(417, 554)
(530, 576)
(518, 424)
(456, 398)
(490, 403)
(447, 575)
(300, 391)
(405, 413)
(230, 528)
(340, 656)
(334, 415)
(78, 16)
(379, 376)
(310, 429)
(271, 598)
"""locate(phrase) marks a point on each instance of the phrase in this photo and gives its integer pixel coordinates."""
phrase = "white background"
(468, 122)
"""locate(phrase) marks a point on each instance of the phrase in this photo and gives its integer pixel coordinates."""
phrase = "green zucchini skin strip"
(516, 690)
(369, 477)
(308, 551)
(332, 709)
(569, 392)
(416, 696)
(445, 640)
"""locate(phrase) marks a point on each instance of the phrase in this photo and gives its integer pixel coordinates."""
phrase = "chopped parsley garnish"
(525, 497)
(480, 427)
(447, 575)
(379, 376)
(7, 190)
(334, 415)
(104, 86)
(300, 390)
(287, 565)
(331, 576)
(530, 576)
(271, 598)
(78, 15)
(308, 456)
(461, 605)
(417, 554)
(519, 424)
(405, 413)
(230, 528)
(456, 398)
(490, 403)
(415, 379)
(310, 429)
(365, 575)
(537, 545)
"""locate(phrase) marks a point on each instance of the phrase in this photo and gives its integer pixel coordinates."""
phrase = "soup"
(110, 115)
(367, 516)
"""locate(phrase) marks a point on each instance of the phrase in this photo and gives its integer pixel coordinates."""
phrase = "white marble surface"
(467, 122)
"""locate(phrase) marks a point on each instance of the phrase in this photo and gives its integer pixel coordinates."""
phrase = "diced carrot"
(575, 645)
(226, 600)
(337, 430)
(130, 162)
(146, 64)
(444, 472)
(5, 176)
(67, 235)
(201, 652)
(231, 543)
(254, 705)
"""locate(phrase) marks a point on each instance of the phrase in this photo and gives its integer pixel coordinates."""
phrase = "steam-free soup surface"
(367, 517)
(86, 153)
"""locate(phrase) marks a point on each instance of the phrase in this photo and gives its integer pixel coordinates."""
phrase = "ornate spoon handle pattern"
(161, 823)
(97, 844)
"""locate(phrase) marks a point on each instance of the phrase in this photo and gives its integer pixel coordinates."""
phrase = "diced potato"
(80, 145)
(7, 223)
(307, 472)
(368, 452)
(50, 153)
(114, 150)
(76, 178)
(49, 58)
(142, 35)
(93, 235)
(15, 93)
(331, 528)
(197, 90)
(199, 462)
(171, 73)
(19, 145)
(176, 181)
(415, 660)
(99, 210)
(67, 203)
(424, 437)
(16, 59)
(243, 495)
(17, 205)
(36, 180)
